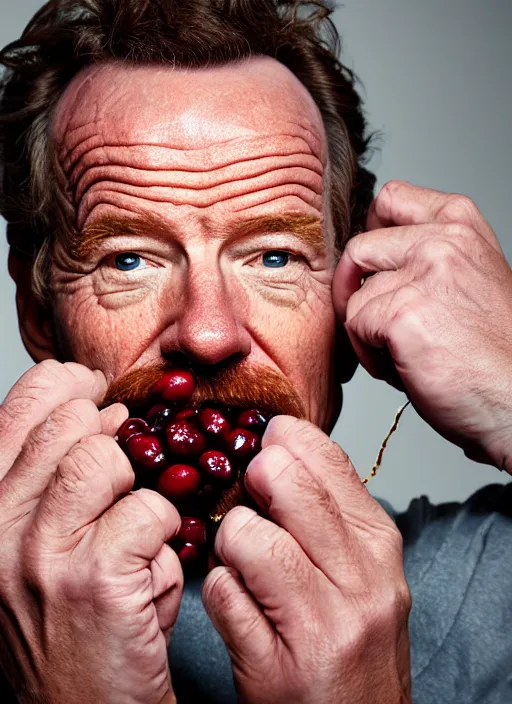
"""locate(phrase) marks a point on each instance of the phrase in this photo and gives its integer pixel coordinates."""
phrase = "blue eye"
(127, 261)
(275, 259)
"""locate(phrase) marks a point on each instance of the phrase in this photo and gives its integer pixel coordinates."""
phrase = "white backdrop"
(438, 87)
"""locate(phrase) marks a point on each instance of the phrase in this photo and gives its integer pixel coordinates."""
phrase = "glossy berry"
(216, 465)
(252, 420)
(242, 443)
(146, 450)
(180, 481)
(155, 410)
(175, 385)
(213, 421)
(161, 420)
(185, 439)
(188, 553)
(189, 414)
(130, 427)
(192, 530)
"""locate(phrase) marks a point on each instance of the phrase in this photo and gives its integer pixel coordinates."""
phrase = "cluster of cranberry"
(190, 455)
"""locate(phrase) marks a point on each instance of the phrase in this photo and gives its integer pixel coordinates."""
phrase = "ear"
(346, 360)
(34, 320)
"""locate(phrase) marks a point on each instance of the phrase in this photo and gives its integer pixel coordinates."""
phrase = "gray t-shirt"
(459, 569)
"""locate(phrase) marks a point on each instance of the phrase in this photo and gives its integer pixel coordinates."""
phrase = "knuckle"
(285, 550)
(218, 590)
(390, 188)
(408, 315)
(459, 232)
(87, 460)
(30, 391)
(391, 607)
(236, 524)
(318, 442)
(388, 543)
(74, 474)
(100, 448)
(133, 509)
(310, 435)
(51, 369)
(436, 250)
(458, 208)
(80, 414)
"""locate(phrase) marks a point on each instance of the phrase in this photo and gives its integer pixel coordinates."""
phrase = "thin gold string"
(385, 442)
(217, 518)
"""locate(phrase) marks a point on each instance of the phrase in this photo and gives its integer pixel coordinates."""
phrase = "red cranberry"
(252, 420)
(146, 450)
(242, 443)
(162, 420)
(155, 410)
(213, 421)
(186, 414)
(192, 530)
(175, 385)
(178, 482)
(131, 426)
(185, 439)
(188, 553)
(216, 464)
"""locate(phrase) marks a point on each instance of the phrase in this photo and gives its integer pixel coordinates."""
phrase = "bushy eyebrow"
(109, 226)
(308, 228)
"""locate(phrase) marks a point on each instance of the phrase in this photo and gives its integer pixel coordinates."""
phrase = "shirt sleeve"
(458, 564)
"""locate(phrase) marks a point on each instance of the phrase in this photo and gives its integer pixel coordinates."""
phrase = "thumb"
(247, 633)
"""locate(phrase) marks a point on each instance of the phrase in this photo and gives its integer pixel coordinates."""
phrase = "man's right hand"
(89, 588)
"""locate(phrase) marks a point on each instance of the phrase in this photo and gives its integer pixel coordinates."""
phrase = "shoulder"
(485, 517)
(458, 566)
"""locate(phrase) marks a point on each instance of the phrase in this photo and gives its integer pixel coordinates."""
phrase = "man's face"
(204, 229)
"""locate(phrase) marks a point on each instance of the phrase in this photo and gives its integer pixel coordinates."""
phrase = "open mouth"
(194, 451)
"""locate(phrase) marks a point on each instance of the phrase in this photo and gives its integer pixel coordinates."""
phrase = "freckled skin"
(202, 150)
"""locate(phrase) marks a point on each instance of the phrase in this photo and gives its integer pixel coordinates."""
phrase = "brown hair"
(67, 35)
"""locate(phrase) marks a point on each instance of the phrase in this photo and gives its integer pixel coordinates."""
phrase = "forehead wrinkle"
(281, 168)
(128, 199)
(160, 156)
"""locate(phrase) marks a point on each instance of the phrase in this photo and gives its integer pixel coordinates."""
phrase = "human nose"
(209, 329)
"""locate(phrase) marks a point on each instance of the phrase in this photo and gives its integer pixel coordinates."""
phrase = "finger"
(390, 250)
(36, 395)
(393, 320)
(350, 277)
(91, 477)
(248, 634)
(167, 589)
(273, 567)
(310, 488)
(401, 203)
(306, 442)
(45, 446)
(301, 503)
(134, 529)
(112, 418)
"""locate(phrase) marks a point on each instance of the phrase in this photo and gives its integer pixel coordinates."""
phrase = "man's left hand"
(313, 603)
(437, 294)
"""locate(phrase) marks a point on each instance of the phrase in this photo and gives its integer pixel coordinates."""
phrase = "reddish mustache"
(254, 386)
